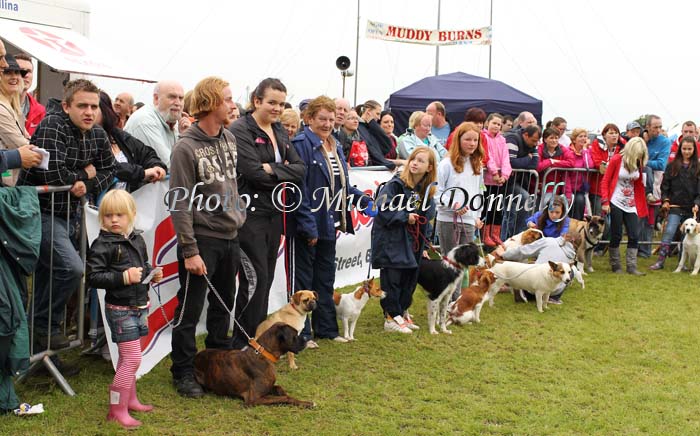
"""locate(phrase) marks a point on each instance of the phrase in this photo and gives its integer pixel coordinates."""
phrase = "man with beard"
(158, 126)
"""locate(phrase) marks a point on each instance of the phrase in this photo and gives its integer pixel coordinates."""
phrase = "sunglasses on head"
(22, 73)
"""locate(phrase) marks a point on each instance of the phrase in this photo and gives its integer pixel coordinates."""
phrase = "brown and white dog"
(523, 238)
(293, 314)
(591, 230)
(467, 307)
(349, 306)
(691, 246)
(541, 279)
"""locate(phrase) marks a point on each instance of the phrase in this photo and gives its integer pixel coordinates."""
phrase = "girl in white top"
(460, 175)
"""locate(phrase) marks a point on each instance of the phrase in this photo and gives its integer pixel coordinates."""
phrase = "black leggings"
(631, 221)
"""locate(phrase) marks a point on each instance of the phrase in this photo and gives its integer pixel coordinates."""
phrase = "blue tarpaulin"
(459, 92)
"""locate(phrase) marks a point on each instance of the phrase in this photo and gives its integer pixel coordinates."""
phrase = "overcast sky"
(590, 61)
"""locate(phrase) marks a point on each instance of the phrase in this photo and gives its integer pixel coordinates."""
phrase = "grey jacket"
(203, 198)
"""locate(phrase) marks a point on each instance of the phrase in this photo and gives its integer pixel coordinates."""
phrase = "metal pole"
(490, 45)
(343, 83)
(437, 47)
(357, 53)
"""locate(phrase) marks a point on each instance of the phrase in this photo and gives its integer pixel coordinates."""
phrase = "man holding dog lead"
(206, 220)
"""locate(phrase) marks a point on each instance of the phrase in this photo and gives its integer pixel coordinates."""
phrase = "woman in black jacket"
(378, 143)
(137, 163)
(266, 160)
(680, 190)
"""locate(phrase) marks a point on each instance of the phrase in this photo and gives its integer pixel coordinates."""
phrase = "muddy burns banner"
(390, 32)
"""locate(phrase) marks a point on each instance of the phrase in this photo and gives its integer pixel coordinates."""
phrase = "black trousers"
(398, 284)
(314, 269)
(260, 241)
(221, 258)
(631, 221)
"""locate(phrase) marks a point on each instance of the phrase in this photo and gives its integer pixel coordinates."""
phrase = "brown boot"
(496, 234)
(487, 236)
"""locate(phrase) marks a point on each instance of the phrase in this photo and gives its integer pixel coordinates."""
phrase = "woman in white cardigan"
(460, 190)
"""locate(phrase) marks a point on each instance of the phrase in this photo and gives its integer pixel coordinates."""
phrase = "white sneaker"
(409, 322)
(397, 324)
(340, 339)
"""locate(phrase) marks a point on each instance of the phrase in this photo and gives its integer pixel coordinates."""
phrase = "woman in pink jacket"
(553, 155)
(497, 172)
(577, 184)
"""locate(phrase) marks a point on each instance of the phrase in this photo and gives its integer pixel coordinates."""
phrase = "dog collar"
(585, 236)
(451, 262)
(259, 349)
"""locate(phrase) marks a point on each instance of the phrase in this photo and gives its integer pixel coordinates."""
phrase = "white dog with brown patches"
(540, 278)
(349, 306)
(691, 246)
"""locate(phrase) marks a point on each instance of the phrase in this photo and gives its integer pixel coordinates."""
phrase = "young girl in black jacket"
(680, 190)
(406, 207)
(118, 262)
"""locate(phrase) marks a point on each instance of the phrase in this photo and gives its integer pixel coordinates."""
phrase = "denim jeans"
(672, 223)
(57, 284)
(127, 325)
(515, 219)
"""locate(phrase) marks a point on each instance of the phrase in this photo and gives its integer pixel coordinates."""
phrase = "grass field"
(618, 358)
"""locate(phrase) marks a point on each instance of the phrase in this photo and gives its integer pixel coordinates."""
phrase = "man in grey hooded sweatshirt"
(206, 213)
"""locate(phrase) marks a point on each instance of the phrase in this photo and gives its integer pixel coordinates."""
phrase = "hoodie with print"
(203, 198)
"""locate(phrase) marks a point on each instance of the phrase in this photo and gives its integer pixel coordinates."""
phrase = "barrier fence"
(519, 197)
(41, 355)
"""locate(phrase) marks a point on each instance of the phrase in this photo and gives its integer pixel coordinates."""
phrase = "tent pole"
(437, 47)
(357, 53)
(491, 44)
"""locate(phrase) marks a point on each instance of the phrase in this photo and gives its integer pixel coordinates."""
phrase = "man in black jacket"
(522, 148)
(80, 156)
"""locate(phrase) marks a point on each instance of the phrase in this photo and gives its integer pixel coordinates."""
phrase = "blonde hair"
(577, 131)
(457, 158)
(635, 154)
(290, 116)
(415, 118)
(118, 201)
(207, 96)
(428, 178)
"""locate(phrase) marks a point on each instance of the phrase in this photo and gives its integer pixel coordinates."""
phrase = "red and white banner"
(352, 263)
(390, 32)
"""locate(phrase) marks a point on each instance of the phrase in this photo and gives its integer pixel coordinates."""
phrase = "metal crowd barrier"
(512, 213)
(43, 356)
(591, 197)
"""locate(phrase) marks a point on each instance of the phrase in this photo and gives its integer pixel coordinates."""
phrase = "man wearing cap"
(633, 130)
(659, 148)
(32, 110)
(159, 125)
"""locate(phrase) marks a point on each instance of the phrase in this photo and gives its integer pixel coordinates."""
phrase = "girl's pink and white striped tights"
(129, 361)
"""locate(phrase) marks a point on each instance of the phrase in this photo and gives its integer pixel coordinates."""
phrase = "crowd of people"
(104, 149)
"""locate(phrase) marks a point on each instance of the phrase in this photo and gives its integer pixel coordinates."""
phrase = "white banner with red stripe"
(352, 263)
(392, 32)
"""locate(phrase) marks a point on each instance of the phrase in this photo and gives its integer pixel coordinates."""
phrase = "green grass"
(618, 358)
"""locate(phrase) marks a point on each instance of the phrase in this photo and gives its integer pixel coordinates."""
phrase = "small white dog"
(541, 278)
(691, 246)
(349, 306)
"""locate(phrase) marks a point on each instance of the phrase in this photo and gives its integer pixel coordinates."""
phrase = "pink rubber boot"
(118, 407)
(134, 403)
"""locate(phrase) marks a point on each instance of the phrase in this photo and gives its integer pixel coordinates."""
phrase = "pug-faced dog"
(293, 314)
(591, 229)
